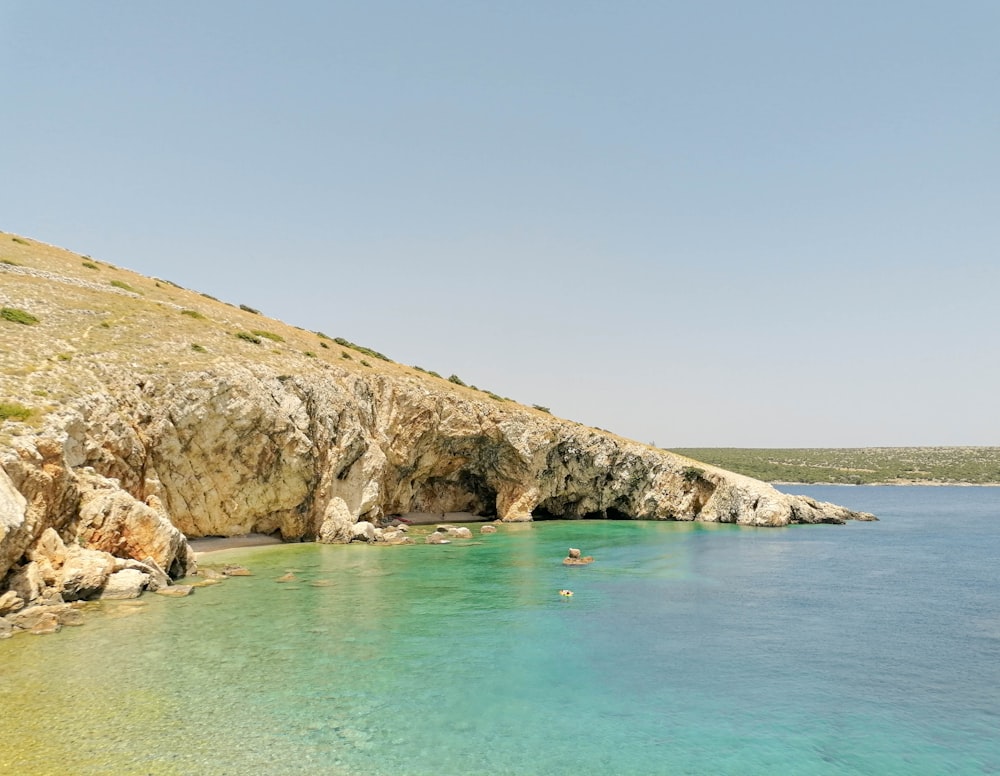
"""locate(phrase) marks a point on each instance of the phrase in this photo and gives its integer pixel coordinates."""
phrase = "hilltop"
(137, 414)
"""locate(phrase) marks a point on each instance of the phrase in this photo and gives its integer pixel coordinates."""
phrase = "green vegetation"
(367, 351)
(248, 337)
(193, 314)
(14, 315)
(20, 241)
(208, 296)
(14, 411)
(9, 263)
(268, 335)
(249, 309)
(345, 354)
(324, 345)
(692, 473)
(456, 379)
(198, 348)
(364, 363)
(310, 354)
(89, 265)
(169, 283)
(540, 408)
(857, 466)
(124, 286)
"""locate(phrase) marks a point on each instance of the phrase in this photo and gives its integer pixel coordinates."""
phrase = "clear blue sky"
(693, 223)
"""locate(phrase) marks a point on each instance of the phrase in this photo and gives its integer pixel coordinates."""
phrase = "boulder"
(27, 582)
(47, 623)
(10, 602)
(487, 529)
(127, 583)
(38, 616)
(232, 570)
(114, 521)
(157, 577)
(176, 591)
(438, 538)
(6, 629)
(84, 573)
(574, 558)
(337, 524)
(363, 531)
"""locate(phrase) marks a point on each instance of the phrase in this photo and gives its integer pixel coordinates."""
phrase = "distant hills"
(858, 465)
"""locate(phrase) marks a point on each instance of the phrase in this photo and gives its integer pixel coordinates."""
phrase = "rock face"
(132, 471)
(139, 455)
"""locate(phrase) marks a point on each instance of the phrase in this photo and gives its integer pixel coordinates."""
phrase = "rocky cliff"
(140, 413)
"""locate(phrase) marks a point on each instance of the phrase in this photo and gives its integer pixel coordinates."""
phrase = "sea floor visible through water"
(870, 648)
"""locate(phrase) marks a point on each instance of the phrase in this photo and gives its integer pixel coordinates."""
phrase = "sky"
(712, 223)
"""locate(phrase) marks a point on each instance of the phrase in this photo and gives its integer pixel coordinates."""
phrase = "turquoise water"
(686, 649)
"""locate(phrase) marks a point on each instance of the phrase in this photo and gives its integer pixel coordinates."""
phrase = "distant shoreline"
(915, 483)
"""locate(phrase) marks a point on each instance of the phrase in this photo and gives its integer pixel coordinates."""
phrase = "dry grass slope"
(87, 317)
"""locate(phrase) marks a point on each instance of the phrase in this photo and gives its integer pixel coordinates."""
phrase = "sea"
(686, 648)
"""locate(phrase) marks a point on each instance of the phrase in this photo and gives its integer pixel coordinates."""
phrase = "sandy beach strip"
(208, 544)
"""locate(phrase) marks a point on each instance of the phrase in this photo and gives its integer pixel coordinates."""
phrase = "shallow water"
(686, 649)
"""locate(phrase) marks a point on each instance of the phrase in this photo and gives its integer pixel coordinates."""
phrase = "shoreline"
(916, 483)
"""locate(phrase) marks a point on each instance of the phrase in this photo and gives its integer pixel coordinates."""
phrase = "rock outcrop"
(138, 454)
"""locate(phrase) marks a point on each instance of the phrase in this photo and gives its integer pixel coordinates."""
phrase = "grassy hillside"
(858, 466)
(64, 315)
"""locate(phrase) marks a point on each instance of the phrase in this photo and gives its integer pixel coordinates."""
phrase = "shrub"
(268, 335)
(104, 325)
(321, 335)
(692, 473)
(14, 411)
(64, 356)
(432, 373)
(456, 379)
(197, 348)
(90, 265)
(540, 408)
(19, 240)
(324, 345)
(364, 363)
(124, 286)
(310, 354)
(345, 354)
(14, 315)
(367, 351)
(248, 337)
(193, 314)
(249, 309)
(9, 263)
(209, 296)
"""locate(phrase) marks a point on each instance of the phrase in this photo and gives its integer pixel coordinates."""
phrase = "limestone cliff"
(156, 416)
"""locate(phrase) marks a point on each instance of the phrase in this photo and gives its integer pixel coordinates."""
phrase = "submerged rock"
(176, 591)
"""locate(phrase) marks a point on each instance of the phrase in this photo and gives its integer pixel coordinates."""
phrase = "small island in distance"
(857, 465)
